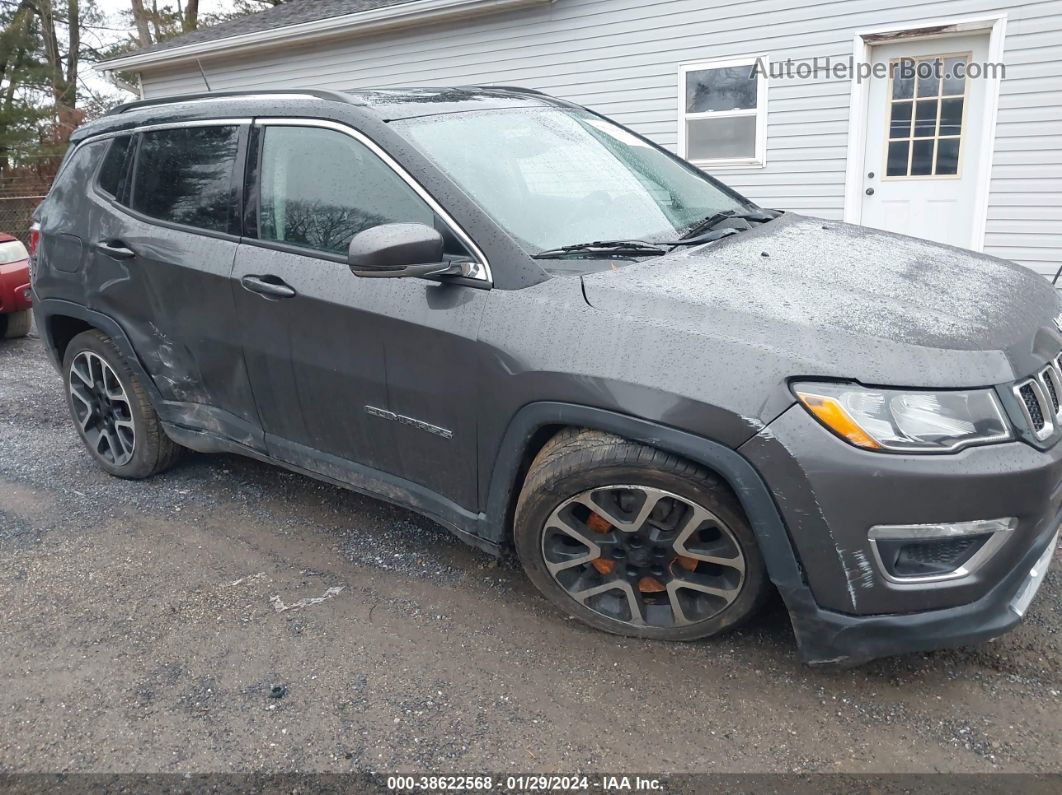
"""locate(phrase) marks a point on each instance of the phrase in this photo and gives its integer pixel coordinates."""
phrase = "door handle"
(870, 191)
(270, 286)
(115, 249)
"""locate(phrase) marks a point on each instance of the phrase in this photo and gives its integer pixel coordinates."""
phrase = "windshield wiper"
(607, 248)
(704, 237)
(712, 221)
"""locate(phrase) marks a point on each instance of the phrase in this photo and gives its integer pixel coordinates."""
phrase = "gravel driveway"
(232, 616)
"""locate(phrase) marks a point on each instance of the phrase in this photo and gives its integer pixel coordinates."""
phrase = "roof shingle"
(293, 12)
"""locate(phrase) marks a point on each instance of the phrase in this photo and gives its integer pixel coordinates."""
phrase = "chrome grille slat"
(1033, 408)
(1040, 400)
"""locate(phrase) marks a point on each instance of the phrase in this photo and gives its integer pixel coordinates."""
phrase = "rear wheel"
(636, 541)
(15, 324)
(111, 410)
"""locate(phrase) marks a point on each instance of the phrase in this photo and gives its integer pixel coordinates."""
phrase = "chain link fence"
(16, 213)
(24, 180)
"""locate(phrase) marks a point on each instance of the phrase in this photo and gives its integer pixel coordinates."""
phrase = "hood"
(850, 302)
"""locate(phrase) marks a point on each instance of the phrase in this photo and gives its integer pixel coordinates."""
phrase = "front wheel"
(636, 541)
(111, 410)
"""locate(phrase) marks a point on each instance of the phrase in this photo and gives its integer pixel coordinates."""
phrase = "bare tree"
(140, 17)
(190, 19)
(62, 62)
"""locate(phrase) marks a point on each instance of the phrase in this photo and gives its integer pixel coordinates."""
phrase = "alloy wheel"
(102, 408)
(643, 556)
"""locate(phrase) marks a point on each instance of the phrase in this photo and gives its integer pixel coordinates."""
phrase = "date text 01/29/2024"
(522, 783)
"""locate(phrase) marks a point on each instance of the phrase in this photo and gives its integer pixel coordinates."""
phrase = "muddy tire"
(15, 324)
(636, 541)
(111, 410)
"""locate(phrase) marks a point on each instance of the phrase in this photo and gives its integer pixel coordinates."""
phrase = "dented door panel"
(175, 298)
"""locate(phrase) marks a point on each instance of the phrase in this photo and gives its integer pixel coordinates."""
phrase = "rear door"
(379, 373)
(162, 260)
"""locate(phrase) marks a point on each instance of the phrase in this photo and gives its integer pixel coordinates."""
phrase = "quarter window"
(723, 113)
(185, 176)
(321, 187)
(115, 167)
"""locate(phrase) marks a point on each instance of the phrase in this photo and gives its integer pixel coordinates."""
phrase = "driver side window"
(319, 188)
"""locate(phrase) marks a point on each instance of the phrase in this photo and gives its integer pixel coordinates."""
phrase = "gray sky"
(115, 28)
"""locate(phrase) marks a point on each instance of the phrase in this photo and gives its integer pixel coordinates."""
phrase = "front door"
(376, 373)
(924, 138)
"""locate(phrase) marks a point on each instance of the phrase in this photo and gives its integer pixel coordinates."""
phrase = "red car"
(14, 288)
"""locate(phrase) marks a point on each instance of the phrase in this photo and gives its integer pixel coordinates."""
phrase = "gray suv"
(551, 335)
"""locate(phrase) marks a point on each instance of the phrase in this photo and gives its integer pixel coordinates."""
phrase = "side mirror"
(397, 250)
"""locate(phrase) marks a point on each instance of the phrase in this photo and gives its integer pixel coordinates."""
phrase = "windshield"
(553, 177)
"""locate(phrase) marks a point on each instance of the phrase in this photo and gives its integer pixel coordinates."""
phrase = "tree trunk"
(190, 21)
(140, 17)
(155, 20)
(73, 52)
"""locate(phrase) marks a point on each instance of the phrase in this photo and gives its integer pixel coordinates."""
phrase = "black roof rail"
(316, 93)
(518, 89)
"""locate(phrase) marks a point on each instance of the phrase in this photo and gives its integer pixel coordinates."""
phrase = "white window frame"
(759, 160)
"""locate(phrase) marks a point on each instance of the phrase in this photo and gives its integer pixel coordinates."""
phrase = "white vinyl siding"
(621, 57)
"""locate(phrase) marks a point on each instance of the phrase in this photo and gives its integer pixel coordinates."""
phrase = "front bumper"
(826, 637)
(830, 494)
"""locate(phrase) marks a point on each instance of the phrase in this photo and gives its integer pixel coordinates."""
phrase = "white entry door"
(922, 169)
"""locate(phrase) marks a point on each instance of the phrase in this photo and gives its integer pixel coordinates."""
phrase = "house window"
(723, 113)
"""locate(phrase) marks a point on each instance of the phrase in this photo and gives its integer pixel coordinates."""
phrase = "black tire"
(15, 324)
(577, 461)
(152, 451)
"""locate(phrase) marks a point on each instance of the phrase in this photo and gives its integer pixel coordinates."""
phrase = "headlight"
(906, 420)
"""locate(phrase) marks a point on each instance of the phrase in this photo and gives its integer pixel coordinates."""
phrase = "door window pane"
(922, 159)
(729, 88)
(951, 117)
(114, 168)
(929, 72)
(954, 76)
(903, 80)
(899, 152)
(720, 139)
(901, 120)
(184, 176)
(925, 118)
(948, 156)
(319, 188)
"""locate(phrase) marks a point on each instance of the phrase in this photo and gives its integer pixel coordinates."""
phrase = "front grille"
(1032, 405)
(1041, 400)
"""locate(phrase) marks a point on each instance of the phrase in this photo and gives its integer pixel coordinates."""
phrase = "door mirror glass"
(397, 250)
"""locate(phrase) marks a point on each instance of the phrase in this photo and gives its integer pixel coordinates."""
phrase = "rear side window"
(319, 188)
(114, 169)
(184, 176)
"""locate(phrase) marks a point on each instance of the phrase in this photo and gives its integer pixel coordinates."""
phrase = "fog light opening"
(929, 553)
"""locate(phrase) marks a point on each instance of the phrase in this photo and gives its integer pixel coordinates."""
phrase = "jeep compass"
(550, 335)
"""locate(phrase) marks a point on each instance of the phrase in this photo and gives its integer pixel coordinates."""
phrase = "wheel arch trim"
(756, 500)
(47, 308)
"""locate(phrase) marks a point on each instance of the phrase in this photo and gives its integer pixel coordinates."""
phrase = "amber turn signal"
(832, 414)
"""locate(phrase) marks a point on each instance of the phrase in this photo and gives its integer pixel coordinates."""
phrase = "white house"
(769, 95)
